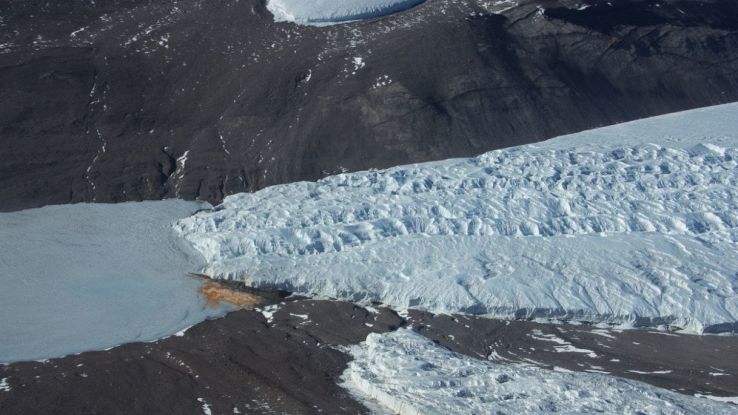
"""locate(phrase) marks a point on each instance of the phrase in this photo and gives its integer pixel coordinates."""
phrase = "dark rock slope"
(243, 363)
(292, 361)
(113, 100)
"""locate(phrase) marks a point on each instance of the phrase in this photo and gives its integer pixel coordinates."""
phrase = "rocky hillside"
(117, 100)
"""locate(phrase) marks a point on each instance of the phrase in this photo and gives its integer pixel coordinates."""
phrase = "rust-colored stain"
(216, 293)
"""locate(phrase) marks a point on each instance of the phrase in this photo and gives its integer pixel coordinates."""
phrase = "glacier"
(326, 12)
(634, 224)
(85, 277)
(405, 373)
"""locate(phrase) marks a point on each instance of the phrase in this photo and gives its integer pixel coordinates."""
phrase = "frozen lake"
(91, 276)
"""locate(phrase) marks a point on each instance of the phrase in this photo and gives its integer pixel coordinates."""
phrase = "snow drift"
(635, 223)
(325, 12)
(91, 276)
(406, 373)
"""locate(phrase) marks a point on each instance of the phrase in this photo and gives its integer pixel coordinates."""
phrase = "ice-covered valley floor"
(325, 12)
(634, 223)
(91, 276)
(403, 373)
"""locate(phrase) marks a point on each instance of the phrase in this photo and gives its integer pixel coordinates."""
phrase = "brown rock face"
(216, 294)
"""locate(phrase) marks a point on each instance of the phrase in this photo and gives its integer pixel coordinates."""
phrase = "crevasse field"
(634, 224)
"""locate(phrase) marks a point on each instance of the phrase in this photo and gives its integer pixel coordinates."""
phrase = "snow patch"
(563, 346)
(371, 309)
(407, 373)
(603, 333)
(205, 407)
(269, 311)
(358, 62)
(179, 171)
(654, 372)
(182, 332)
(382, 81)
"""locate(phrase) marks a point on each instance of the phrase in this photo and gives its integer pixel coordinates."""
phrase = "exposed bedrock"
(130, 99)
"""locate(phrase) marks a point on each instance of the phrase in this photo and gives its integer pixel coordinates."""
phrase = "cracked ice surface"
(635, 223)
(406, 373)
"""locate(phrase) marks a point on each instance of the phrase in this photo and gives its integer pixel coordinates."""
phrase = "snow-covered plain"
(405, 373)
(90, 276)
(632, 224)
(326, 12)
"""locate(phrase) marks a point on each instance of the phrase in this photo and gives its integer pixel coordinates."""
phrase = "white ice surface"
(324, 12)
(635, 223)
(90, 276)
(405, 373)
